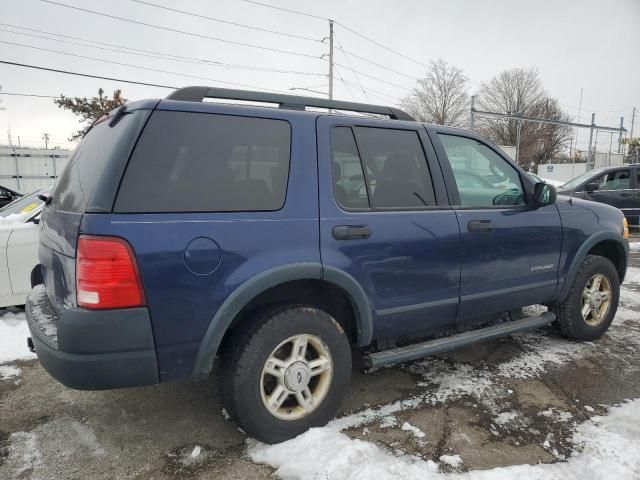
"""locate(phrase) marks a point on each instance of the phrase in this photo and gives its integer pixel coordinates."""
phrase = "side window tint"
(483, 178)
(200, 162)
(619, 180)
(349, 185)
(397, 169)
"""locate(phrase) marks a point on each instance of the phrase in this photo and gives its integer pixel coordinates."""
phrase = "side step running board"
(439, 345)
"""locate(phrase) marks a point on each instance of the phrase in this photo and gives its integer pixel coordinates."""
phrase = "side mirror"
(592, 187)
(544, 194)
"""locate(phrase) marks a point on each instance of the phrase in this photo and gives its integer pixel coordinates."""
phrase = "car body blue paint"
(420, 272)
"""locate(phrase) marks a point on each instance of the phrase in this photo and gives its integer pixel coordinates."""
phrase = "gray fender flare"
(582, 252)
(269, 279)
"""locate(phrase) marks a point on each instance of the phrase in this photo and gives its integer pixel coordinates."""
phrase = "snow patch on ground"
(13, 337)
(632, 276)
(8, 372)
(607, 447)
(60, 440)
(505, 418)
(556, 415)
(634, 246)
(407, 427)
(452, 460)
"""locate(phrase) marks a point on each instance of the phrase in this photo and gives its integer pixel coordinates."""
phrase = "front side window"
(199, 162)
(618, 180)
(484, 179)
(396, 167)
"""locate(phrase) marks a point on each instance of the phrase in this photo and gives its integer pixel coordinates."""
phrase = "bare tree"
(520, 91)
(441, 96)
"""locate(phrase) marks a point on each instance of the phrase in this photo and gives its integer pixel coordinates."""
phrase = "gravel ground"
(511, 401)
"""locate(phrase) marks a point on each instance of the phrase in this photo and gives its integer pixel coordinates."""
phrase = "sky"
(576, 44)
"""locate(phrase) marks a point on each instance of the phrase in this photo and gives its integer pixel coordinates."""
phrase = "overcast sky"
(574, 43)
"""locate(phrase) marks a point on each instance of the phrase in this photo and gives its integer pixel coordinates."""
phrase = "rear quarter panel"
(182, 303)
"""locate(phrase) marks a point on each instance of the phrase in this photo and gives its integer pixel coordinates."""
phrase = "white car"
(19, 246)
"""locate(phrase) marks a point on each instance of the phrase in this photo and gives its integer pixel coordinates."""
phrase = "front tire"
(287, 373)
(591, 304)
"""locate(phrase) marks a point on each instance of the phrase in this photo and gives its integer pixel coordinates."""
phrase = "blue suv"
(271, 242)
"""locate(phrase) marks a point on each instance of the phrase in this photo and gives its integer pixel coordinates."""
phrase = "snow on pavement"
(13, 337)
(606, 447)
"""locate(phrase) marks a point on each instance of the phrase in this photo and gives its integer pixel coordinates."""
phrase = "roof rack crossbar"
(292, 102)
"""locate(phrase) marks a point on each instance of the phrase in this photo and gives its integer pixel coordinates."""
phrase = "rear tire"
(591, 304)
(286, 373)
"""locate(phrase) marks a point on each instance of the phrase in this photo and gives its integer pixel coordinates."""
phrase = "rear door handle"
(480, 226)
(351, 232)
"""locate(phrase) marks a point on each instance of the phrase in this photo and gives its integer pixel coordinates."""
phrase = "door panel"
(510, 251)
(513, 265)
(407, 259)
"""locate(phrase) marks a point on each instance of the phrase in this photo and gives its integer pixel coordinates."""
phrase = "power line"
(183, 32)
(153, 54)
(66, 72)
(348, 88)
(141, 67)
(364, 59)
(27, 95)
(372, 91)
(355, 32)
(317, 17)
(352, 70)
(219, 20)
(381, 45)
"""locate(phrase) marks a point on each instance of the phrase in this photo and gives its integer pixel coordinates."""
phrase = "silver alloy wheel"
(596, 300)
(296, 377)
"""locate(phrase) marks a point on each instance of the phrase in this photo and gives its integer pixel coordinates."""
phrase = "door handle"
(480, 226)
(351, 232)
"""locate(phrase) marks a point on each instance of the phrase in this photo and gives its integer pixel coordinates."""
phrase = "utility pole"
(472, 118)
(579, 112)
(589, 154)
(633, 119)
(330, 59)
(619, 135)
(45, 137)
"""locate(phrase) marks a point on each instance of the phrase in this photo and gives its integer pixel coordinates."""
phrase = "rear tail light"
(107, 274)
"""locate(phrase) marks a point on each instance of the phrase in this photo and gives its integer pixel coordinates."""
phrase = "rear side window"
(198, 162)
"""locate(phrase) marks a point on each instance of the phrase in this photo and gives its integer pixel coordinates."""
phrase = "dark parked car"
(617, 186)
(7, 195)
(272, 241)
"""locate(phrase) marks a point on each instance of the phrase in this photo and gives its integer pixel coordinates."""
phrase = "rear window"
(103, 145)
(200, 162)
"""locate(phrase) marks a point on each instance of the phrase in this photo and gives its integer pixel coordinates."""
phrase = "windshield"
(581, 178)
(24, 205)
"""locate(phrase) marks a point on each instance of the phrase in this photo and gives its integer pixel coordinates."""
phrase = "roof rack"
(291, 102)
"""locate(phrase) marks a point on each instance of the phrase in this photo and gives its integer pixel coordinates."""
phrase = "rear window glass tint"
(77, 182)
(199, 162)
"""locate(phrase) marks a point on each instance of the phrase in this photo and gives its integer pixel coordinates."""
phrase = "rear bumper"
(92, 349)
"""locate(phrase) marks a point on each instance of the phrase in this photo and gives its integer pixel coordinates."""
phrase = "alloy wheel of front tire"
(596, 299)
(592, 300)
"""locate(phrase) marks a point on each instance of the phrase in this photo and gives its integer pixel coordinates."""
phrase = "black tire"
(244, 360)
(568, 312)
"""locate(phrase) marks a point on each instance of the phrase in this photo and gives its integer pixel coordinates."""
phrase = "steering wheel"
(510, 197)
